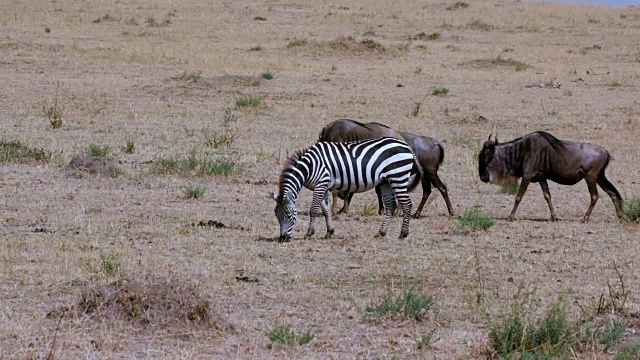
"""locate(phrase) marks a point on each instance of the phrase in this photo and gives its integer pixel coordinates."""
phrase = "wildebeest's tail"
(441, 158)
(419, 171)
(607, 186)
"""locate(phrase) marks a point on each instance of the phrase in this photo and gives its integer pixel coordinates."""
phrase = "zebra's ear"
(273, 195)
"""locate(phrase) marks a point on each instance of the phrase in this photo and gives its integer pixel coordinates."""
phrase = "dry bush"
(147, 302)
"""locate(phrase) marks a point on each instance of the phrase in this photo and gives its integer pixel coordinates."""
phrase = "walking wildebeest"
(538, 157)
(354, 166)
(429, 152)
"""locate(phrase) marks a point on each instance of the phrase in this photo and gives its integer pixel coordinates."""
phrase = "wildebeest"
(538, 157)
(355, 166)
(429, 152)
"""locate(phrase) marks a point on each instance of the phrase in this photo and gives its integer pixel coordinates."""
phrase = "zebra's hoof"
(381, 234)
(403, 235)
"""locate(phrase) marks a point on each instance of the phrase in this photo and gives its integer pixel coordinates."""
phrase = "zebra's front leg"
(327, 215)
(317, 204)
(389, 203)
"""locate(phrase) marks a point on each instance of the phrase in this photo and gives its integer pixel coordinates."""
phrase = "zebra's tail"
(417, 169)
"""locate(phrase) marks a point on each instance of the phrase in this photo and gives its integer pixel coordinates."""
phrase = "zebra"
(355, 166)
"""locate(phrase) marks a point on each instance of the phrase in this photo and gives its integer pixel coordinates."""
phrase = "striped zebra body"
(347, 167)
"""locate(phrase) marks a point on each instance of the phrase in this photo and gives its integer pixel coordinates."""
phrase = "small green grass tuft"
(631, 210)
(461, 4)
(248, 101)
(129, 147)
(266, 75)
(510, 188)
(97, 150)
(369, 210)
(612, 333)
(425, 341)
(109, 264)
(410, 303)
(440, 91)
(16, 152)
(521, 67)
(476, 219)
(631, 352)
(284, 334)
(193, 191)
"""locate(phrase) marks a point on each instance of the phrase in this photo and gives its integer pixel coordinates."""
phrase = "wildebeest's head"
(484, 158)
(286, 213)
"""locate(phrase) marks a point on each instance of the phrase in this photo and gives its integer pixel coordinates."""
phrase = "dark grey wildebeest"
(429, 152)
(538, 157)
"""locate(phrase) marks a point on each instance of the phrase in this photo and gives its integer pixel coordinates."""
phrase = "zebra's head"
(286, 213)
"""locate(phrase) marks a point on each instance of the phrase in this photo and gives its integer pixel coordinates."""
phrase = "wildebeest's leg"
(523, 188)
(327, 215)
(389, 207)
(593, 190)
(443, 190)
(334, 202)
(379, 195)
(345, 205)
(612, 192)
(547, 196)
(426, 191)
(319, 194)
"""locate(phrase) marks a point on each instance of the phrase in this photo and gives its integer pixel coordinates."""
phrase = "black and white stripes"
(348, 167)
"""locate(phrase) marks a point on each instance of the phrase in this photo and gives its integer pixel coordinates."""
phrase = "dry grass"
(121, 64)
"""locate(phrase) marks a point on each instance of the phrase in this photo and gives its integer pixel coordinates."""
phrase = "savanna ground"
(87, 258)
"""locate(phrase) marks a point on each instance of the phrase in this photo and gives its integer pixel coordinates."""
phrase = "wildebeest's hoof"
(329, 233)
(553, 219)
(510, 218)
(416, 216)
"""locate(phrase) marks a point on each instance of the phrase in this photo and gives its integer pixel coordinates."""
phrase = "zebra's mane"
(291, 162)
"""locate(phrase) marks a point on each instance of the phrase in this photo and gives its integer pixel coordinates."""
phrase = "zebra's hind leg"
(389, 202)
(405, 203)
(327, 215)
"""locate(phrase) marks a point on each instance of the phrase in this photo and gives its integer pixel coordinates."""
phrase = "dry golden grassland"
(119, 265)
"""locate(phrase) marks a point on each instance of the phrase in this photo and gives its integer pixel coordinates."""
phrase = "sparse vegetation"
(510, 188)
(98, 150)
(54, 112)
(476, 219)
(193, 191)
(196, 162)
(615, 84)
(425, 341)
(416, 108)
(631, 352)
(411, 303)
(369, 210)
(631, 209)
(480, 25)
(440, 91)
(192, 76)
(248, 101)
(16, 152)
(266, 75)
(521, 67)
(260, 18)
(284, 334)
(152, 22)
(129, 147)
(225, 137)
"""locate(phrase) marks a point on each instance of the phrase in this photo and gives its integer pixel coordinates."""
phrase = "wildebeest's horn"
(495, 139)
(489, 138)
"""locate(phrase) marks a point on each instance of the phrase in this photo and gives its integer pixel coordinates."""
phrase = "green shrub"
(631, 209)
(284, 334)
(410, 303)
(476, 219)
(193, 191)
(248, 101)
(425, 341)
(440, 91)
(266, 75)
(16, 152)
(198, 163)
(97, 150)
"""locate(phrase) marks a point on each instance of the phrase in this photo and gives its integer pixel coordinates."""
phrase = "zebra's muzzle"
(284, 238)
